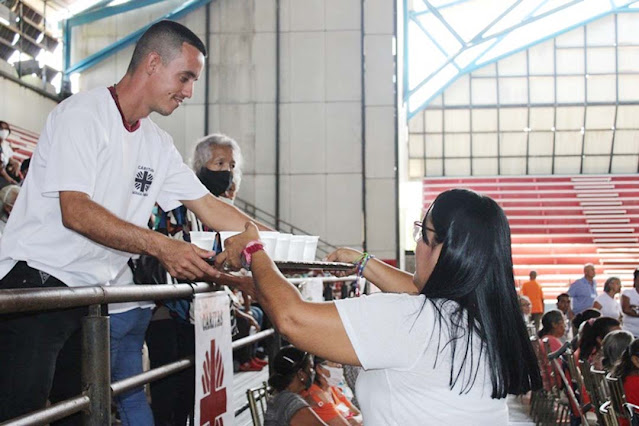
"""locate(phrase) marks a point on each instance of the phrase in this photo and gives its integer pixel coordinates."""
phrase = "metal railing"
(95, 401)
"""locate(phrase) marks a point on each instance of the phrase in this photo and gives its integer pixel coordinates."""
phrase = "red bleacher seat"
(23, 141)
(560, 223)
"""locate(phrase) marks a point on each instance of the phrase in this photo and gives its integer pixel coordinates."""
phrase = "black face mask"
(216, 182)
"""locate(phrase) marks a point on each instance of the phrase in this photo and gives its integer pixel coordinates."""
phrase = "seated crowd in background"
(604, 331)
(12, 174)
(301, 381)
(12, 170)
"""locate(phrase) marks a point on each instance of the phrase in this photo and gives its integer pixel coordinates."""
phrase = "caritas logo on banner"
(213, 361)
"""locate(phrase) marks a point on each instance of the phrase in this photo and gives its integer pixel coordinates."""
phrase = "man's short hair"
(636, 273)
(563, 295)
(166, 39)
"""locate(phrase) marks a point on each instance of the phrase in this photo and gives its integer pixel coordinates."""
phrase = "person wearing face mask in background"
(216, 161)
(170, 336)
(6, 156)
(327, 399)
(292, 374)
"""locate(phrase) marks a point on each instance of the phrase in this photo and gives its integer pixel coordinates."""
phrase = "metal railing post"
(272, 348)
(96, 367)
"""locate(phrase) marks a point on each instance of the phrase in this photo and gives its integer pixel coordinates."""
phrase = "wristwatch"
(248, 251)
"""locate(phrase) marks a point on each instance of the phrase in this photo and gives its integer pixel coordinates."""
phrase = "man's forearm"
(90, 219)
(219, 215)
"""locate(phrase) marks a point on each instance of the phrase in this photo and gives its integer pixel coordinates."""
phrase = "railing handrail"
(38, 299)
(81, 402)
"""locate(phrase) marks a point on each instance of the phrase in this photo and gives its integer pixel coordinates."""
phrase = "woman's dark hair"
(287, 362)
(585, 316)
(475, 270)
(624, 366)
(613, 346)
(548, 321)
(593, 329)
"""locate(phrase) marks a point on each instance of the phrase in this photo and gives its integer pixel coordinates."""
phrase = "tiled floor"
(242, 382)
(518, 412)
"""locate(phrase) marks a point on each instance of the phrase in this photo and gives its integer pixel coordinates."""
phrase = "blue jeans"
(258, 314)
(127, 337)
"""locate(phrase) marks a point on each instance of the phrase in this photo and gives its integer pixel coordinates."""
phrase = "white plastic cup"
(225, 235)
(283, 242)
(310, 247)
(270, 238)
(296, 248)
(203, 240)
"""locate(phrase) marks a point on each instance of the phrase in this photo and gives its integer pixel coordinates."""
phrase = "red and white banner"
(213, 360)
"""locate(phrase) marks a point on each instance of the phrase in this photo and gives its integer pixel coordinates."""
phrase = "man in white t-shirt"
(100, 166)
(630, 306)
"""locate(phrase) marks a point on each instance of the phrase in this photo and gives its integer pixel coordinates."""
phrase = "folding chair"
(619, 407)
(546, 407)
(257, 403)
(596, 389)
(564, 386)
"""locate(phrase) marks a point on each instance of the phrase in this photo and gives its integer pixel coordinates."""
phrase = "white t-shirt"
(85, 147)
(631, 324)
(405, 381)
(609, 306)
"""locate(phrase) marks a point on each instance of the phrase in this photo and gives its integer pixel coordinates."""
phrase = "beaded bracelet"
(361, 264)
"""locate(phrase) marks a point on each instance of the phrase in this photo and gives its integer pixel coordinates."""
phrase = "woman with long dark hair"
(593, 333)
(448, 349)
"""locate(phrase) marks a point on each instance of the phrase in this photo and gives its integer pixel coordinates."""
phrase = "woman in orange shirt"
(327, 400)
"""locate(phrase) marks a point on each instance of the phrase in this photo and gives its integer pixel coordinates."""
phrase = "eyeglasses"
(418, 231)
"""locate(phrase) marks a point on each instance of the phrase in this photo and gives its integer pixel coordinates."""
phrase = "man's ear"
(152, 62)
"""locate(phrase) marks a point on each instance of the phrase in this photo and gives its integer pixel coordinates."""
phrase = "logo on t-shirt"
(143, 180)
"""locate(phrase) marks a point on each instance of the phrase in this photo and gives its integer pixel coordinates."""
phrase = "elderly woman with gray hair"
(217, 162)
(606, 302)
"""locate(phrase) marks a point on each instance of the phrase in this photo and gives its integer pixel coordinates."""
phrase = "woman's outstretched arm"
(388, 278)
(312, 327)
